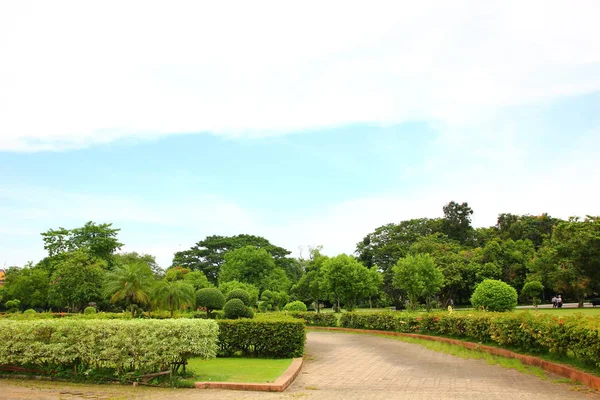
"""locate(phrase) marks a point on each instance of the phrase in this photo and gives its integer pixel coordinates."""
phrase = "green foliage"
(316, 319)
(254, 266)
(419, 277)
(89, 310)
(345, 279)
(211, 299)
(208, 255)
(235, 308)
(239, 294)
(99, 241)
(29, 311)
(77, 280)
(532, 290)
(457, 222)
(252, 290)
(131, 283)
(494, 295)
(12, 305)
(130, 345)
(29, 285)
(173, 295)
(295, 306)
(283, 338)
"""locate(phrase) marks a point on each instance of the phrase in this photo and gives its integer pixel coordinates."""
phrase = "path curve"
(350, 366)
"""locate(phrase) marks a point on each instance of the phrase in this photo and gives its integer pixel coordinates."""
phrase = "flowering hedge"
(123, 345)
(530, 332)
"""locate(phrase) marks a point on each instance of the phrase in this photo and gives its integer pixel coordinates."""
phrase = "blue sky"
(222, 123)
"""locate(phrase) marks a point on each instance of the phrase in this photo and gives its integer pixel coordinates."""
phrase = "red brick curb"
(558, 369)
(279, 385)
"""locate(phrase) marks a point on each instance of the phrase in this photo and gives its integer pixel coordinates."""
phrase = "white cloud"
(75, 74)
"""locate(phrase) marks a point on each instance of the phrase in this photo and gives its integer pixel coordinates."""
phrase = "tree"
(457, 222)
(312, 287)
(254, 266)
(450, 259)
(29, 285)
(419, 277)
(208, 255)
(532, 290)
(227, 287)
(100, 241)
(135, 258)
(77, 280)
(131, 283)
(173, 294)
(535, 228)
(210, 298)
(568, 261)
(342, 278)
(387, 244)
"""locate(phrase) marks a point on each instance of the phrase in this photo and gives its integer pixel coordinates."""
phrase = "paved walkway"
(349, 366)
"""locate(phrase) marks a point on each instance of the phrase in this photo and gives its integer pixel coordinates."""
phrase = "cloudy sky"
(308, 123)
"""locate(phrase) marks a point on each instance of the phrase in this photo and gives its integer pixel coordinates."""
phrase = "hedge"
(123, 345)
(528, 332)
(315, 319)
(282, 338)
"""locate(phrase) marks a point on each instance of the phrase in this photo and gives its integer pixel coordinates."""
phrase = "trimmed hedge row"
(316, 319)
(529, 332)
(125, 346)
(283, 338)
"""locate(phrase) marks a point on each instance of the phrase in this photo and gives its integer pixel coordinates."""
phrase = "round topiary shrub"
(89, 310)
(494, 295)
(211, 299)
(235, 308)
(240, 294)
(295, 306)
(29, 311)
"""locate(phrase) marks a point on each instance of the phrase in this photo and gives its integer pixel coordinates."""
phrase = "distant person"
(559, 301)
(451, 303)
(554, 301)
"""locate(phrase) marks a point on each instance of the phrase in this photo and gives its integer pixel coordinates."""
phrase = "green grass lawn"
(588, 311)
(237, 369)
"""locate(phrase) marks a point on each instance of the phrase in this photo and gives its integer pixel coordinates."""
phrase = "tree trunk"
(581, 300)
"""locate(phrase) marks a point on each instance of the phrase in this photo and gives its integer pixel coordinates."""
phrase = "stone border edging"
(589, 380)
(279, 385)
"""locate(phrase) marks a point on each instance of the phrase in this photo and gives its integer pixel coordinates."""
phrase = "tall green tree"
(387, 244)
(450, 259)
(342, 276)
(136, 258)
(172, 295)
(254, 266)
(420, 277)
(130, 283)
(568, 261)
(312, 286)
(535, 228)
(457, 223)
(77, 280)
(29, 285)
(208, 255)
(100, 241)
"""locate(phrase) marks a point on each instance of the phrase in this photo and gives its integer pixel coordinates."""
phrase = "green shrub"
(89, 310)
(316, 319)
(235, 308)
(281, 338)
(252, 290)
(241, 294)
(295, 306)
(494, 295)
(12, 305)
(30, 311)
(129, 345)
(263, 306)
(531, 290)
(211, 299)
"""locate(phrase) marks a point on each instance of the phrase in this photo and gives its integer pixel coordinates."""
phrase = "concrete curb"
(589, 380)
(279, 385)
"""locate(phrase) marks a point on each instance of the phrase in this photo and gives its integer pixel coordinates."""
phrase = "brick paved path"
(348, 366)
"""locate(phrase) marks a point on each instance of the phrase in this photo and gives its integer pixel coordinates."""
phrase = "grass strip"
(237, 369)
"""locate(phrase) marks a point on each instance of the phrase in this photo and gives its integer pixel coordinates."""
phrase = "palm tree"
(173, 294)
(131, 283)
